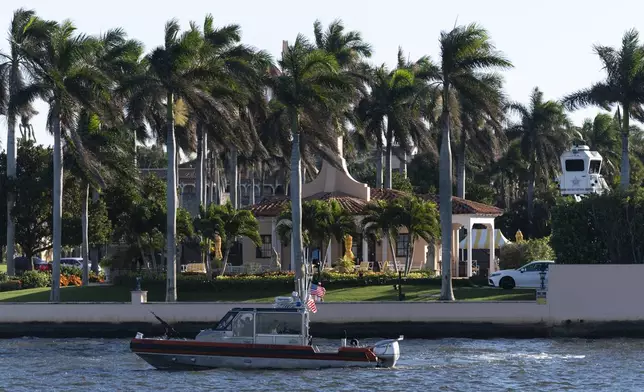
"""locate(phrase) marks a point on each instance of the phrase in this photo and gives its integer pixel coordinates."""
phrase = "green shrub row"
(279, 281)
(600, 229)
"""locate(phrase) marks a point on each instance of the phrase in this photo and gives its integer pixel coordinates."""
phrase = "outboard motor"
(388, 351)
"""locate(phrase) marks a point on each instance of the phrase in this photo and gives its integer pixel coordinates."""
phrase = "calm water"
(438, 365)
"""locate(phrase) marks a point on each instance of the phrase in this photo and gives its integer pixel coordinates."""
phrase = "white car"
(526, 276)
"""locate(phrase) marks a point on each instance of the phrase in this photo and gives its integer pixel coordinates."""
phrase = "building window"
(266, 250)
(402, 245)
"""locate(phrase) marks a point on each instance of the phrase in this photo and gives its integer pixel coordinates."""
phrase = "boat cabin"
(580, 169)
(281, 326)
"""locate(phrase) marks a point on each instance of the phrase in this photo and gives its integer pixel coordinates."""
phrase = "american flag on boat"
(317, 290)
(310, 304)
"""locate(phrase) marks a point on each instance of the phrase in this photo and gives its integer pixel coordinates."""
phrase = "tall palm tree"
(174, 74)
(466, 53)
(391, 110)
(64, 77)
(544, 132)
(380, 221)
(624, 85)
(481, 108)
(601, 134)
(26, 31)
(308, 92)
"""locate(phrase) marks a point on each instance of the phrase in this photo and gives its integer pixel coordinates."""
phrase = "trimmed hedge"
(281, 281)
(600, 229)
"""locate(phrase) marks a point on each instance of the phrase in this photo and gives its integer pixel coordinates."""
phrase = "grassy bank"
(105, 293)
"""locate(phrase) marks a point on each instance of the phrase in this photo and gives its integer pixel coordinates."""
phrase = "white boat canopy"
(481, 239)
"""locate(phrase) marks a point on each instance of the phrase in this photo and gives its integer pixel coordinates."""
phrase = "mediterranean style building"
(333, 183)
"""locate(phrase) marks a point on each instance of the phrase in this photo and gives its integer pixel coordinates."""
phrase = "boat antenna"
(169, 331)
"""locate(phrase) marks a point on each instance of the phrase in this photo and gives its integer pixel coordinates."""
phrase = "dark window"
(574, 165)
(595, 165)
(402, 245)
(266, 250)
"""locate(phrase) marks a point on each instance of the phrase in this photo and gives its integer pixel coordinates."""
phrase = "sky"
(550, 42)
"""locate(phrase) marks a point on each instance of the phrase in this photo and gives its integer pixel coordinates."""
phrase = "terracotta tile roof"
(354, 205)
(274, 206)
(466, 207)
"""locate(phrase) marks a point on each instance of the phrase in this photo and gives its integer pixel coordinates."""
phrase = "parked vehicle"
(76, 262)
(526, 276)
(23, 264)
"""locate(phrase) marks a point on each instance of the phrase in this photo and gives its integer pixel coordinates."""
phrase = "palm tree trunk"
(199, 171)
(445, 203)
(460, 170)
(252, 186)
(296, 206)
(262, 181)
(234, 178)
(625, 169)
(58, 206)
(391, 240)
(378, 165)
(224, 261)
(388, 181)
(171, 200)
(11, 173)
(404, 164)
(94, 250)
(530, 193)
(85, 235)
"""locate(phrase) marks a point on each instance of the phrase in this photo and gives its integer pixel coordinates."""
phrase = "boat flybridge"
(261, 338)
(581, 173)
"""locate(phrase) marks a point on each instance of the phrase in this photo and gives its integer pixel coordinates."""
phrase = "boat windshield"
(226, 322)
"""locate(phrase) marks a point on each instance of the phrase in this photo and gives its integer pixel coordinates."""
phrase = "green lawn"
(3, 268)
(105, 293)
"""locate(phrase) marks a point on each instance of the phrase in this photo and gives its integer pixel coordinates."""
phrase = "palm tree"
(308, 90)
(419, 219)
(229, 224)
(26, 31)
(174, 74)
(624, 85)
(481, 107)
(601, 134)
(466, 52)
(65, 79)
(380, 221)
(391, 110)
(544, 132)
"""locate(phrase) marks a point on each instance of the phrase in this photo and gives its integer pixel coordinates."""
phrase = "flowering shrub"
(73, 280)
(64, 281)
(94, 278)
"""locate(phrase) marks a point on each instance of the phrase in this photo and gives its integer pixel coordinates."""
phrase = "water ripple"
(435, 365)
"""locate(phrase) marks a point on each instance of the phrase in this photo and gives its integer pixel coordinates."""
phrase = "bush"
(34, 279)
(10, 285)
(94, 278)
(3, 277)
(516, 254)
(600, 229)
(71, 271)
(345, 264)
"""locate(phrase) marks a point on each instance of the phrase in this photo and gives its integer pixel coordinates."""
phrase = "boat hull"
(196, 355)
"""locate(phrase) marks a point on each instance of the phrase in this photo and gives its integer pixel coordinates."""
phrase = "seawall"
(587, 301)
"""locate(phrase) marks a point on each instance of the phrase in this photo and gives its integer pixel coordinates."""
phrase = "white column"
(365, 249)
(455, 256)
(469, 248)
(491, 238)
